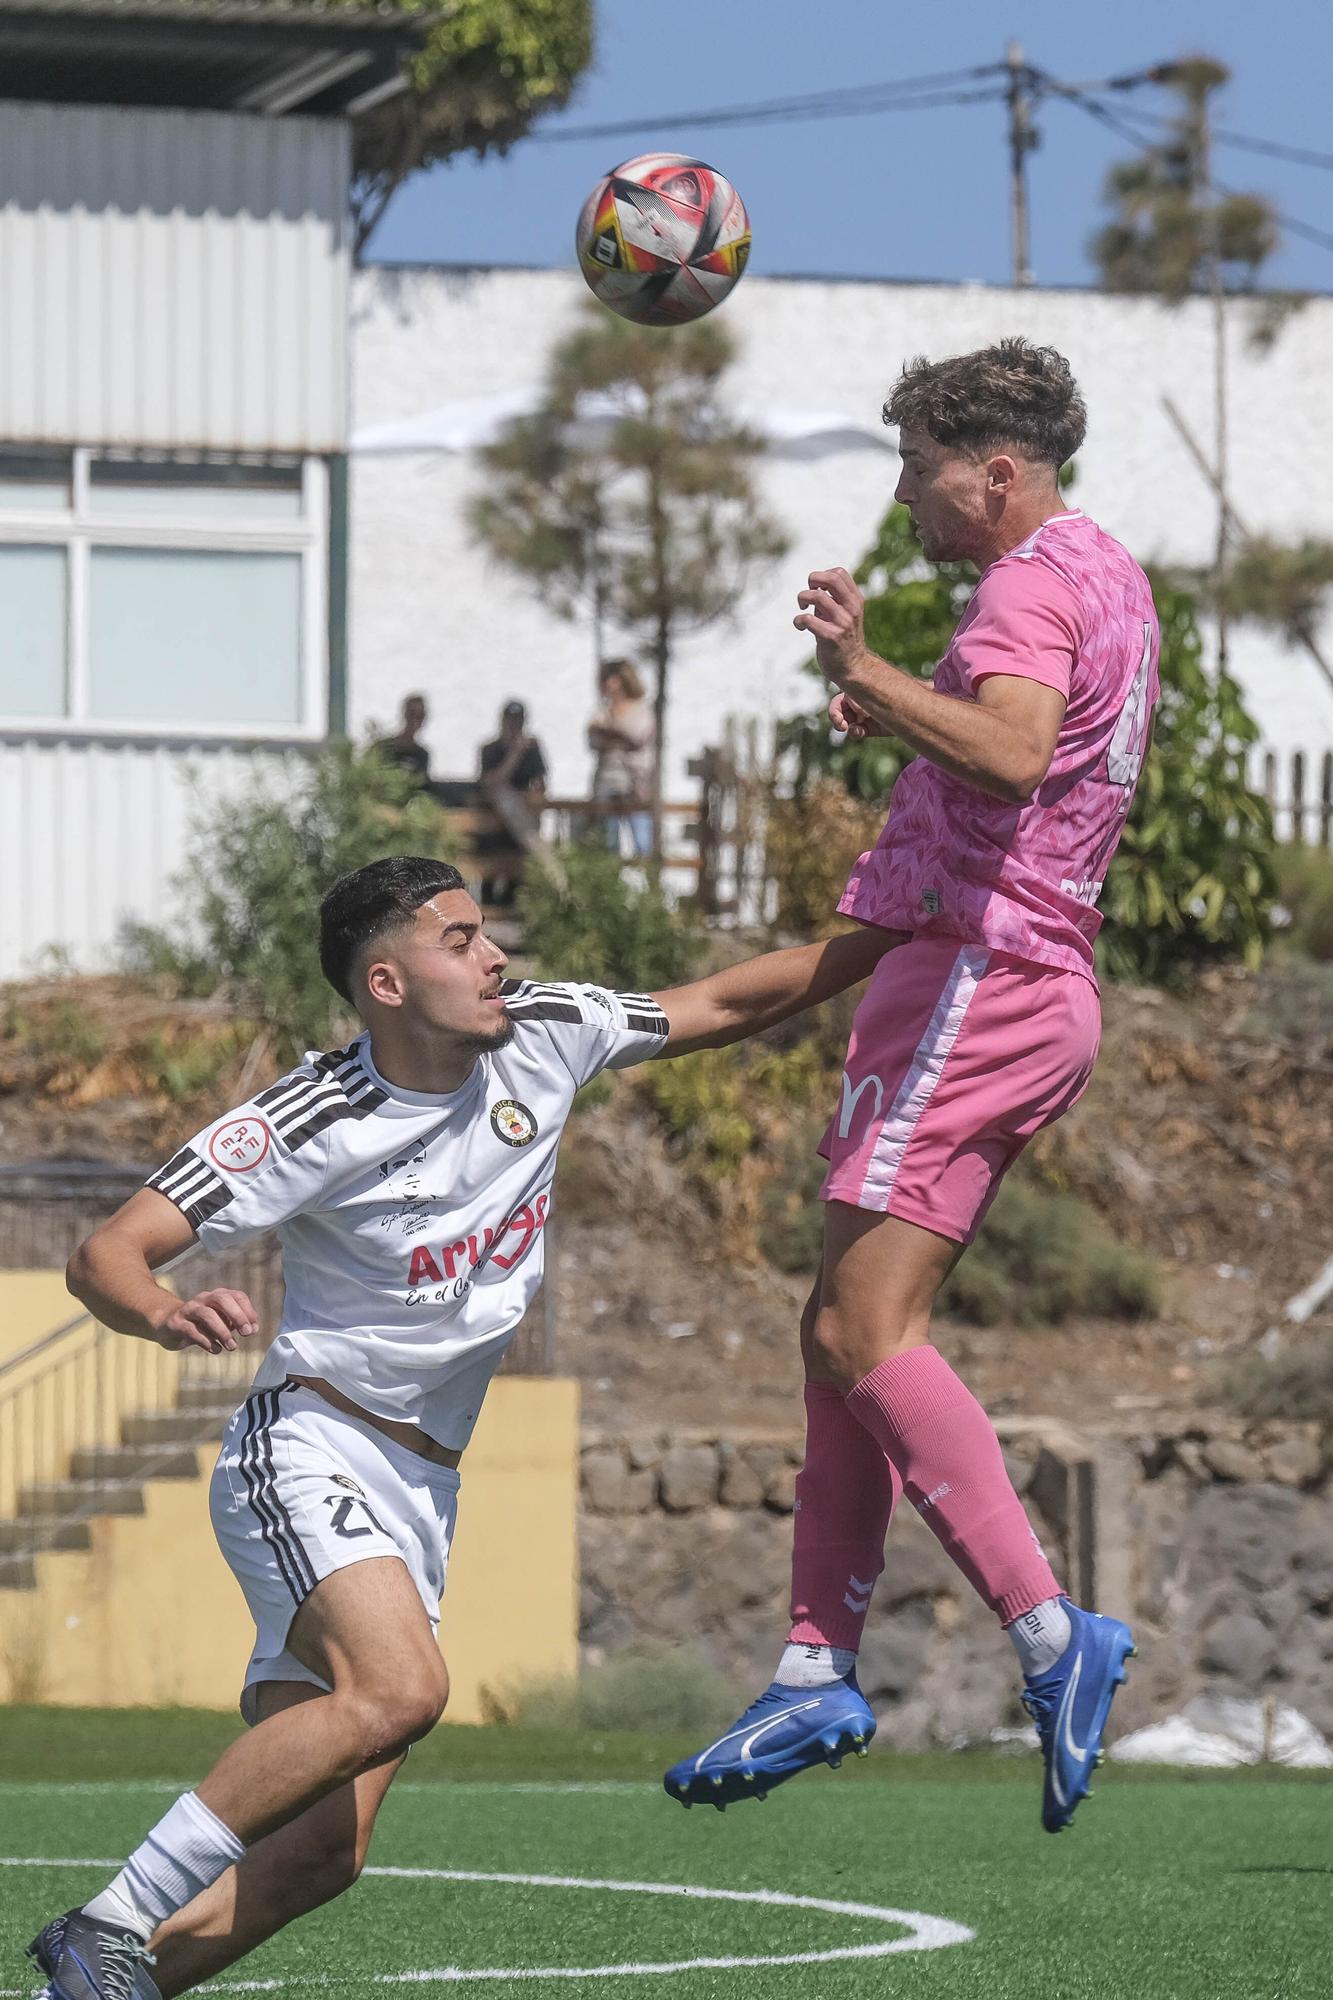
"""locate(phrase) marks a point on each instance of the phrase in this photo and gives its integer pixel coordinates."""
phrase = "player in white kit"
(409, 1179)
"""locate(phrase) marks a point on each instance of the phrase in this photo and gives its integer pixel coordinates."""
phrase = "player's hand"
(215, 1322)
(833, 613)
(854, 721)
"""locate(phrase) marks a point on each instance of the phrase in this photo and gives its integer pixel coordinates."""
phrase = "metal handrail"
(50, 1339)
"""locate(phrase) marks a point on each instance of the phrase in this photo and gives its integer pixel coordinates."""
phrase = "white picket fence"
(1298, 785)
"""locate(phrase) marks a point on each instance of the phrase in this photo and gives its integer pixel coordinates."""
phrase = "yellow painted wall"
(151, 1614)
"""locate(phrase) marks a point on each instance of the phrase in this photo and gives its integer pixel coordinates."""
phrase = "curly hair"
(1010, 394)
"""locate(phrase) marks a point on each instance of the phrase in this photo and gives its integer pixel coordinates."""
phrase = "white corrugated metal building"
(174, 265)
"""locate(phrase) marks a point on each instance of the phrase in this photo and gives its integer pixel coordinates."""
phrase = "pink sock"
(845, 1495)
(952, 1468)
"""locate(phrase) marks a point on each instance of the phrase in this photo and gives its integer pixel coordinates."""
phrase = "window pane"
(34, 481)
(194, 492)
(32, 631)
(181, 637)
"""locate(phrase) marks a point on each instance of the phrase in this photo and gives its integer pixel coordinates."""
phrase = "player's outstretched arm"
(757, 993)
(111, 1273)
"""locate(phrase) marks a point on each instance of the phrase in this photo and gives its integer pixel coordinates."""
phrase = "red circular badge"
(239, 1144)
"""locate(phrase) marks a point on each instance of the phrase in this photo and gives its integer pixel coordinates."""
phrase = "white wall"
(429, 610)
(95, 832)
(173, 278)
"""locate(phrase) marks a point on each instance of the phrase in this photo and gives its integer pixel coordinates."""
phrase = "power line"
(1246, 142)
(1120, 122)
(894, 94)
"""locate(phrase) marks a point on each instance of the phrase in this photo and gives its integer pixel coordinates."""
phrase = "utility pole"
(1022, 139)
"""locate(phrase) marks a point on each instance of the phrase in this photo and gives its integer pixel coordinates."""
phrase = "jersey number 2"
(1124, 759)
(342, 1513)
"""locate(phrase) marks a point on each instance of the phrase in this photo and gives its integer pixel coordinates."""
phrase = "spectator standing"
(513, 783)
(623, 738)
(404, 749)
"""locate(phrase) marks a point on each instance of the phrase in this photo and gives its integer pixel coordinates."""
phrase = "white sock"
(184, 1854)
(1040, 1636)
(814, 1666)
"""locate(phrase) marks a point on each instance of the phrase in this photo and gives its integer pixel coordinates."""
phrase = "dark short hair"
(371, 900)
(1010, 394)
(514, 711)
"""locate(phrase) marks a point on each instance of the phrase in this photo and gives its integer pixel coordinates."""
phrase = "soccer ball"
(663, 239)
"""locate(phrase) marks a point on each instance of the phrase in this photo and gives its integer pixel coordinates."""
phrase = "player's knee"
(398, 1713)
(837, 1345)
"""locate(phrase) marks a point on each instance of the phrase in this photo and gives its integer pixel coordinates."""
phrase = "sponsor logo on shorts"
(513, 1122)
(931, 902)
(851, 1097)
(240, 1144)
(341, 1479)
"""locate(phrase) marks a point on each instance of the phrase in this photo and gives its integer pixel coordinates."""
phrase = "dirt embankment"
(1207, 1138)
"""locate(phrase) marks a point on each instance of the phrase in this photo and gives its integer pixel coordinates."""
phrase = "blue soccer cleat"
(787, 1730)
(1070, 1703)
(84, 1958)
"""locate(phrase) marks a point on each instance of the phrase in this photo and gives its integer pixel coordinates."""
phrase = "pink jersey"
(1070, 608)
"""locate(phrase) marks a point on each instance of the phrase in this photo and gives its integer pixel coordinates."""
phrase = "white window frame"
(79, 531)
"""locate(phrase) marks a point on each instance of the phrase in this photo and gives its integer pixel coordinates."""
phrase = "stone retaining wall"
(1217, 1541)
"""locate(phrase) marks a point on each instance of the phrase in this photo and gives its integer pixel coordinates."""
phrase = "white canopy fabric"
(473, 421)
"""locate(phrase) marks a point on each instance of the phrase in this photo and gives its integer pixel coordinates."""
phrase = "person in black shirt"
(513, 783)
(404, 749)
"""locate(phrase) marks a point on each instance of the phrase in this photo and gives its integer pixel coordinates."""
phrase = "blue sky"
(916, 194)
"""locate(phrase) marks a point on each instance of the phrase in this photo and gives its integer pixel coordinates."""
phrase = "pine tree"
(628, 497)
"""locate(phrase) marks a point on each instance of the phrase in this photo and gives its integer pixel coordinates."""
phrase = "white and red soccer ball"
(663, 239)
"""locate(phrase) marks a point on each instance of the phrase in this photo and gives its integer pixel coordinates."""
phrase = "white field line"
(923, 1932)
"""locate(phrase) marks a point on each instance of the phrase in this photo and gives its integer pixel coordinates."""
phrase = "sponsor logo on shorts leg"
(341, 1479)
(851, 1097)
(513, 1122)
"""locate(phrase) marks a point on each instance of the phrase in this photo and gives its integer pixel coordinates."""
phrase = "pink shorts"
(958, 1056)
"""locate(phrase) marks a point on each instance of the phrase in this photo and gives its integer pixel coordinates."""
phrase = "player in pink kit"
(971, 1037)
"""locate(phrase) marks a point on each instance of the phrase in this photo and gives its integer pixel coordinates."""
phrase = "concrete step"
(18, 1573)
(172, 1427)
(210, 1398)
(121, 1462)
(61, 1498)
(46, 1532)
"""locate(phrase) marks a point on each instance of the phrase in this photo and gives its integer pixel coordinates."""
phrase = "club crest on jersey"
(513, 1122)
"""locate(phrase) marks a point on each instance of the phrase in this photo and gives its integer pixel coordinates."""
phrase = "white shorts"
(301, 1490)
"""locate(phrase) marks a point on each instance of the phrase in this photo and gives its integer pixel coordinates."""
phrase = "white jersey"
(411, 1226)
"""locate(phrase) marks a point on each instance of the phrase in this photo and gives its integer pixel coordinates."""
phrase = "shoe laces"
(121, 1955)
(1040, 1706)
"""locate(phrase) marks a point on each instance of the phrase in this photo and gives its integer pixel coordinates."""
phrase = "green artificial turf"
(1212, 1887)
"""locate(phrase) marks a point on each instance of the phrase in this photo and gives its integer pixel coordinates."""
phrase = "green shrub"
(1296, 1386)
(57, 1033)
(588, 917)
(1305, 900)
(645, 1687)
(1044, 1258)
(256, 869)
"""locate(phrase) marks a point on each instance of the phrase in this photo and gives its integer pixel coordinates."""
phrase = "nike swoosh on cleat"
(798, 1708)
(1062, 1726)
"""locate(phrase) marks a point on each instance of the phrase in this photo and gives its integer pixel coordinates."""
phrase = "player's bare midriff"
(404, 1434)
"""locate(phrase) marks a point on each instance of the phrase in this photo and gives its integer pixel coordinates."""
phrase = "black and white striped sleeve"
(266, 1160)
(593, 1027)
